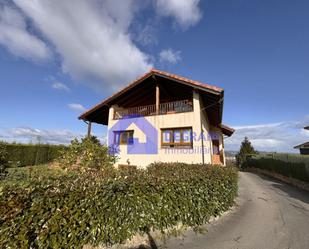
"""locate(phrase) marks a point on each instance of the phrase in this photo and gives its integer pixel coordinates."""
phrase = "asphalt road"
(268, 215)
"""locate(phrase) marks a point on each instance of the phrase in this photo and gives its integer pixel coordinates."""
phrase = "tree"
(246, 149)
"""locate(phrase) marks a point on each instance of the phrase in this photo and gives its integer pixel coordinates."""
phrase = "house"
(164, 117)
(303, 148)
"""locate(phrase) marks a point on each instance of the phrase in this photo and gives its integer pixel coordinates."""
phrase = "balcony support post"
(89, 129)
(157, 98)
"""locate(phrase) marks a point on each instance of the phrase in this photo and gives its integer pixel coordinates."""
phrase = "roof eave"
(226, 130)
(107, 100)
(205, 89)
(304, 145)
(179, 79)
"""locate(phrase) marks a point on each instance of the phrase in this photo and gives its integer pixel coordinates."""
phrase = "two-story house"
(164, 117)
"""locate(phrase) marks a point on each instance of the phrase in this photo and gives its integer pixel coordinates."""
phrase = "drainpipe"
(202, 134)
(197, 95)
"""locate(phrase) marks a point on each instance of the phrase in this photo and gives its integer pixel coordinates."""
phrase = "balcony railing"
(149, 110)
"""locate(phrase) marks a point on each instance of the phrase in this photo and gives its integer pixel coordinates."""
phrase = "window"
(123, 137)
(174, 137)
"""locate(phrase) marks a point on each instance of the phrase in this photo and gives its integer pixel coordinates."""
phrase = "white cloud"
(91, 37)
(27, 134)
(279, 137)
(95, 40)
(169, 56)
(77, 107)
(186, 12)
(60, 86)
(146, 35)
(305, 133)
(17, 39)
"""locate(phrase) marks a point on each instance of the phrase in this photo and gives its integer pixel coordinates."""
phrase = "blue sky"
(58, 59)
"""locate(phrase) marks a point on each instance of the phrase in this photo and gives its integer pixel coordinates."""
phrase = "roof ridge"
(219, 89)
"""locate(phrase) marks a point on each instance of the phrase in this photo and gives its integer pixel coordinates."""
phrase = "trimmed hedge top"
(71, 211)
(19, 155)
(296, 169)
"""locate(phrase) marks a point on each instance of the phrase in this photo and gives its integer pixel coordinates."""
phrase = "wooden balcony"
(149, 110)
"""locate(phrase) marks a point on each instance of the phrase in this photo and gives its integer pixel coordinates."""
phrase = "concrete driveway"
(269, 214)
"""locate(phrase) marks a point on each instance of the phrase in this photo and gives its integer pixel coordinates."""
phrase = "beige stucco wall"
(207, 141)
(187, 119)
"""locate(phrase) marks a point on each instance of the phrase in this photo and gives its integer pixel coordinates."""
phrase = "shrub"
(87, 154)
(71, 211)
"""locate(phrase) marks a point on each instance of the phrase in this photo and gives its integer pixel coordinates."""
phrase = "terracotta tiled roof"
(105, 101)
(193, 82)
(145, 76)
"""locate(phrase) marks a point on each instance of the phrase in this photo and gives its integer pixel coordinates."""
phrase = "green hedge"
(31, 154)
(297, 170)
(71, 211)
(286, 157)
